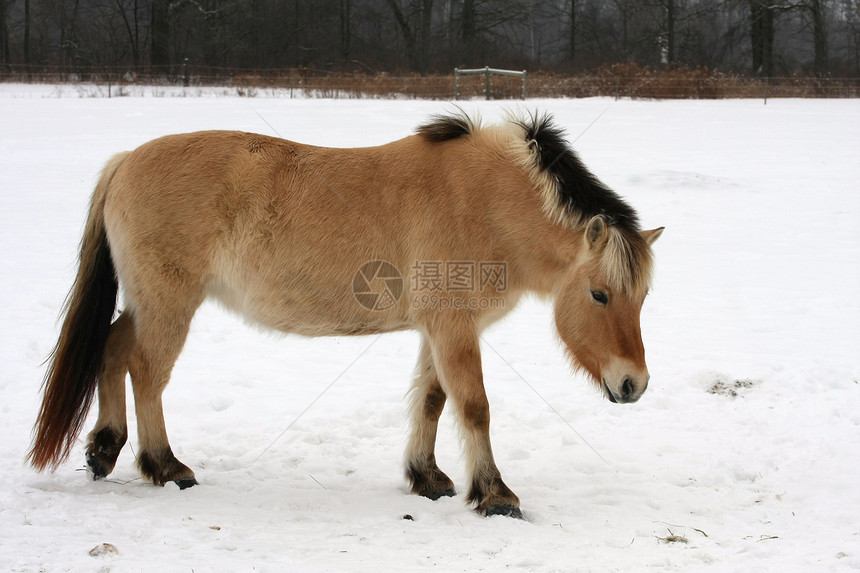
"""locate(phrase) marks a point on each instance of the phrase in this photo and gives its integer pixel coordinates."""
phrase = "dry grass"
(672, 538)
(620, 81)
(631, 81)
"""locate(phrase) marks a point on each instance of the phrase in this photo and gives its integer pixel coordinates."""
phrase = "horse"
(441, 232)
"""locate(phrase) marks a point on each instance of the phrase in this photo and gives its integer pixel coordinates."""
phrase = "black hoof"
(103, 450)
(163, 467)
(434, 495)
(429, 481)
(511, 511)
(99, 469)
(186, 483)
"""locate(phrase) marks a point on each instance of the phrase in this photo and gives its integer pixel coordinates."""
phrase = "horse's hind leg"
(428, 399)
(111, 430)
(161, 330)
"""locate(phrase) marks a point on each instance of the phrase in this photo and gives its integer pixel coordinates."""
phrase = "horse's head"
(597, 308)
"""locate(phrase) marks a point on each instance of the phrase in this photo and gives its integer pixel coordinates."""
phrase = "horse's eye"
(600, 296)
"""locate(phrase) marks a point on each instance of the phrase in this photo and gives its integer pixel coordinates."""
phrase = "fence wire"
(308, 83)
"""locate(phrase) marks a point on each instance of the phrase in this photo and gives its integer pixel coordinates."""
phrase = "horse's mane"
(446, 127)
(571, 194)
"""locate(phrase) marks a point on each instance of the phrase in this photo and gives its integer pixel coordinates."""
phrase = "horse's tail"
(76, 361)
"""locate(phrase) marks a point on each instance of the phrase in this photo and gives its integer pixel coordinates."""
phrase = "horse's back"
(277, 230)
(265, 225)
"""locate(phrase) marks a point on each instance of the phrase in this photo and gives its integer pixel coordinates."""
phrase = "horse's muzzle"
(626, 395)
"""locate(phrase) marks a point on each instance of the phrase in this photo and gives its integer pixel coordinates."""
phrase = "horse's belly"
(306, 313)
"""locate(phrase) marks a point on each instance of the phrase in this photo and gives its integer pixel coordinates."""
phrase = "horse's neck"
(543, 253)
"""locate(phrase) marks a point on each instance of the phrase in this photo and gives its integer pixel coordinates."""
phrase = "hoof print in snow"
(731, 388)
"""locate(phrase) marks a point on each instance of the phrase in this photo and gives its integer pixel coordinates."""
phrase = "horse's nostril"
(627, 388)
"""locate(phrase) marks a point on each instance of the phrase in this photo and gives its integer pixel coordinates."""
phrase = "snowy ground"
(742, 455)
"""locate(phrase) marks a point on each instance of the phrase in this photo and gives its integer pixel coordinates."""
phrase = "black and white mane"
(572, 195)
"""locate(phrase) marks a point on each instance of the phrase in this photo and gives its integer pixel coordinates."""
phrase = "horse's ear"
(652, 235)
(596, 233)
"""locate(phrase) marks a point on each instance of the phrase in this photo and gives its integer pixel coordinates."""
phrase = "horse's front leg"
(428, 400)
(457, 356)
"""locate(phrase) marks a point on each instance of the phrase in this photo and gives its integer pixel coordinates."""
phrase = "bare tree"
(26, 32)
(129, 12)
(345, 16)
(762, 14)
(769, 36)
(469, 31)
(415, 27)
(625, 8)
(669, 27)
(159, 56)
(4, 34)
(571, 30)
(819, 34)
(850, 20)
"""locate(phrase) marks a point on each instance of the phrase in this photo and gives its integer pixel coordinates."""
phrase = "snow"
(742, 455)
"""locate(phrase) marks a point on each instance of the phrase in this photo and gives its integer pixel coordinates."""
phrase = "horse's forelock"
(627, 262)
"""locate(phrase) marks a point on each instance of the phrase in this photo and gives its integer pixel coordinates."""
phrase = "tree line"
(754, 37)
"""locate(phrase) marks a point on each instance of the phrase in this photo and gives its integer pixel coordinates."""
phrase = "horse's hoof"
(185, 483)
(163, 467)
(99, 469)
(434, 495)
(429, 481)
(103, 450)
(511, 511)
